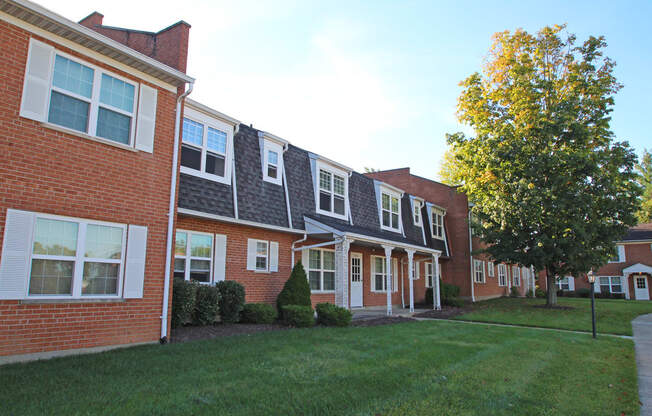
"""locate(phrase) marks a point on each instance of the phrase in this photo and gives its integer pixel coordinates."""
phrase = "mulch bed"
(385, 320)
(193, 333)
(556, 307)
(446, 312)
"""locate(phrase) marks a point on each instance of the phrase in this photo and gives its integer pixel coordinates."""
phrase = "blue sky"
(373, 83)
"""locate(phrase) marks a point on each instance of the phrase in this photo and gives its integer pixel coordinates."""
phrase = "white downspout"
(471, 257)
(173, 203)
(294, 243)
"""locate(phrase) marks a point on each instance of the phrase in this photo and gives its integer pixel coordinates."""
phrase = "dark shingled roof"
(299, 180)
(258, 200)
(204, 195)
(639, 232)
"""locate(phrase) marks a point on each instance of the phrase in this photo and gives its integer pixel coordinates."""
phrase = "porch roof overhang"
(316, 229)
(637, 268)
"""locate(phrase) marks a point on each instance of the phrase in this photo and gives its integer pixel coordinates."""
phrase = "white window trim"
(94, 101)
(428, 274)
(434, 211)
(398, 196)
(274, 147)
(333, 171)
(502, 274)
(620, 252)
(477, 270)
(208, 121)
(79, 258)
(321, 270)
(267, 262)
(417, 205)
(491, 269)
(611, 284)
(568, 279)
(394, 275)
(516, 276)
(188, 257)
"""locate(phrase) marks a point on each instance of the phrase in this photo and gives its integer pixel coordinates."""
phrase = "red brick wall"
(457, 269)
(47, 171)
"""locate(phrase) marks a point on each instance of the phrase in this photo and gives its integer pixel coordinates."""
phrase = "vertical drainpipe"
(172, 208)
(471, 257)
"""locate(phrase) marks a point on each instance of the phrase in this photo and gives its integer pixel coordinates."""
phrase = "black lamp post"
(591, 278)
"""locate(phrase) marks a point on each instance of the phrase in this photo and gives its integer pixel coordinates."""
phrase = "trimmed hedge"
(540, 293)
(258, 313)
(298, 315)
(332, 315)
(513, 292)
(232, 299)
(610, 295)
(583, 292)
(448, 295)
(184, 295)
(296, 290)
(207, 309)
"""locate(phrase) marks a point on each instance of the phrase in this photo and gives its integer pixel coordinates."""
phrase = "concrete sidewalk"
(642, 327)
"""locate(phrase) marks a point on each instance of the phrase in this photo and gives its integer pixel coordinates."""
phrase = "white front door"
(641, 291)
(356, 280)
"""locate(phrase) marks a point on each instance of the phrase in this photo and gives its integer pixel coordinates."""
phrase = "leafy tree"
(370, 170)
(448, 168)
(551, 187)
(644, 179)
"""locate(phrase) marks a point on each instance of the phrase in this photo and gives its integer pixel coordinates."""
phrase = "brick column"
(342, 273)
(388, 275)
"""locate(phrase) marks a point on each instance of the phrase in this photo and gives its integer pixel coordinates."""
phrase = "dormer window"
(206, 146)
(272, 160)
(331, 191)
(416, 212)
(272, 164)
(390, 211)
(437, 224)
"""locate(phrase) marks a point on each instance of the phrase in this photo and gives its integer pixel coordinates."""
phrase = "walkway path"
(642, 327)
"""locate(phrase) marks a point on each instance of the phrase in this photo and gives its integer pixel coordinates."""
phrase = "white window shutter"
(219, 265)
(305, 259)
(146, 119)
(251, 254)
(621, 253)
(136, 256)
(36, 86)
(571, 283)
(16, 250)
(273, 256)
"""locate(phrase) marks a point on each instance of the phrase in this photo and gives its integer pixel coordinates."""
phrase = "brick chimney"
(169, 46)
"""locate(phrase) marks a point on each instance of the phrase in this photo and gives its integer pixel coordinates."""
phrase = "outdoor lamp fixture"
(591, 277)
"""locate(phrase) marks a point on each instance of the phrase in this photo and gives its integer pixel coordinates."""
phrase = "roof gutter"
(172, 207)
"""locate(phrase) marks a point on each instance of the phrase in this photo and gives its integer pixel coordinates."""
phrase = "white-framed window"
(478, 271)
(416, 266)
(193, 256)
(502, 275)
(491, 269)
(262, 256)
(379, 274)
(516, 275)
(91, 100)
(610, 284)
(619, 257)
(76, 258)
(390, 210)
(416, 214)
(437, 224)
(321, 270)
(566, 283)
(332, 191)
(206, 146)
(272, 162)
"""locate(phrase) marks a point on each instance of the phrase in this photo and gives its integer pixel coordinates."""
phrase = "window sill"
(219, 179)
(88, 300)
(87, 136)
(326, 292)
(271, 180)
(331, 214)
(394, 230)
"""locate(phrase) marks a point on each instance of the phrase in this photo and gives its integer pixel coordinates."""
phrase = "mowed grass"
(416, 368)
(613, 316)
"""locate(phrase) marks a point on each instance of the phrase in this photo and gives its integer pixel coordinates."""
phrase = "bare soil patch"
(554, 307)
(385, 320)
(193, 333)
(446, 312)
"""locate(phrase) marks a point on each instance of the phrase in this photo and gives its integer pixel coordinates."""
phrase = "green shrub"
(513, 292)
(540, 293)
(448, 294)
(206, 305)
(258, 313)
(583, 292)
(296, 290)
(610, 295)
(298, 315)
(232, 298)
(184, 295)
(332, 315)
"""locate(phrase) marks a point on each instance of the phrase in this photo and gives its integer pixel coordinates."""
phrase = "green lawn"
(416, 368)
(613, 316)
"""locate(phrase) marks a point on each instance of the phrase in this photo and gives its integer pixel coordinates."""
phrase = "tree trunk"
(551, 299)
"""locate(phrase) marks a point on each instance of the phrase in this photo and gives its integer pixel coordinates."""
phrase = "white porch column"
(342, 273)
(388, 274)
(410, 254)
(435, 279)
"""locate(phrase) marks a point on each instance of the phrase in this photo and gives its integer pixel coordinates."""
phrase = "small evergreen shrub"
(296, 290)
(184, 295)
(332, 315)
(206, 305)
(448, 294)
(232, 299)
(583, 292)
(540, 293)
(513, 292)
(258, 313)
(300, 316)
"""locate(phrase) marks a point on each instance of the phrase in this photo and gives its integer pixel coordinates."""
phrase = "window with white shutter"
(262, 256)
